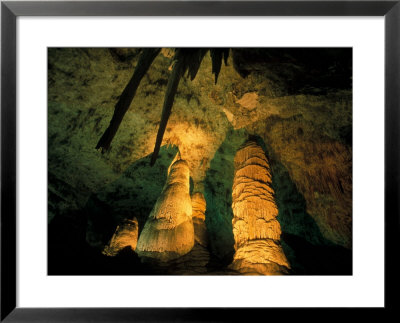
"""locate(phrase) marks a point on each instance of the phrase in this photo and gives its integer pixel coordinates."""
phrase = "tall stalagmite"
(199, 217)
(126, 235)
(168, 232)
(255, 227)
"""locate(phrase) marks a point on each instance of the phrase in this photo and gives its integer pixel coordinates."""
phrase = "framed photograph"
(197, 160)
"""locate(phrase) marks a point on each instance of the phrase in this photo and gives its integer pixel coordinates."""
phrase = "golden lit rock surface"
(249, 100)
(255, 228)
(260, 257)
(126, 235)
(168, 232)
(199, 216)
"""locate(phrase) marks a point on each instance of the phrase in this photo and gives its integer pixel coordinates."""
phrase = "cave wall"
(302, 119)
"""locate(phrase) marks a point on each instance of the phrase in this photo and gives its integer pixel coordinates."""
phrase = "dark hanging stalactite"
(172, 86)
(146, 59)
(186, 59)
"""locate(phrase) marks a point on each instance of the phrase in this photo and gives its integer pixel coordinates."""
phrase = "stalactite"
(168, 232)
(146, 58)
(126, 235)
(255, 228)
(172, 87)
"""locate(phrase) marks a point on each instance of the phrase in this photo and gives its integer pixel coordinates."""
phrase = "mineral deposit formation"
(126, 235)
(168, 232)
(199, 211)
(255, 228)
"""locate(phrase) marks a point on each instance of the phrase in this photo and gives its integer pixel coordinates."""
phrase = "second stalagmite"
(199, 209)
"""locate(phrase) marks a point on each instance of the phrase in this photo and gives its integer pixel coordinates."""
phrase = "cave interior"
(199, 161)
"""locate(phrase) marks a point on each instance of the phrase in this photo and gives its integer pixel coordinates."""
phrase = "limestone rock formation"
(126, 235)
(199, 216)
(168, 232)
(193, 263)
(255, 228)
(307, 126)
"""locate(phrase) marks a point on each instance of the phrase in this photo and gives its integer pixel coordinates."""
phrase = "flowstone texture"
(256, 230)
(168, 232)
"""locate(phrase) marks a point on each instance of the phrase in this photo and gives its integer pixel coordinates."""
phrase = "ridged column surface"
(255, 228)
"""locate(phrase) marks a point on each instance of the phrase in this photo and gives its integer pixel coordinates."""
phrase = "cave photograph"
(200, 161)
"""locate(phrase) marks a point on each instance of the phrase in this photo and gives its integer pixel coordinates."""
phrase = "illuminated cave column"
(168, 232)
(125, 235)
(255, 228)
(199, 217)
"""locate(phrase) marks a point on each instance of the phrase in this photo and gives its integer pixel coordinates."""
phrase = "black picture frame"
(10, 10)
